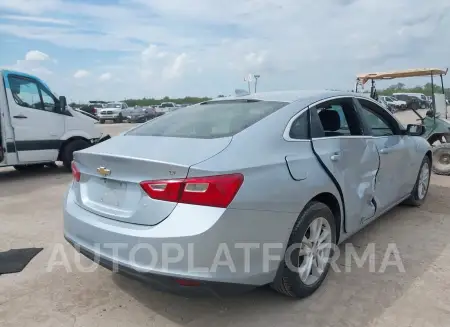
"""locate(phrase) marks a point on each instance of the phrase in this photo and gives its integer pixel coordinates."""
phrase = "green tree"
(401, 88)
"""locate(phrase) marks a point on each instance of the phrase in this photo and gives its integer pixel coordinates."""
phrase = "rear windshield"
(113, 105)
(209, 120)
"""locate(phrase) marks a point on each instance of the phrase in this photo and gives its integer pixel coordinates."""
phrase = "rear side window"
(209, 120)
(299, 128)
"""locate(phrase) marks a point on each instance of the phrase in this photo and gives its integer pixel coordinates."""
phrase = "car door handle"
(20, 116)
(335, 157)
(385, 151)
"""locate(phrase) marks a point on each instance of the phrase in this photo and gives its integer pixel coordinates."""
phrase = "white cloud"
(176, 68)
(30, 6)
(152, 52)
(35, 63)
(291, 43)
(36, 55)
(105, 77)
(81, 73)
(35, 19)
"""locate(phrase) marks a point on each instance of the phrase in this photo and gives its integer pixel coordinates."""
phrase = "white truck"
(112, 111)
(36, 127)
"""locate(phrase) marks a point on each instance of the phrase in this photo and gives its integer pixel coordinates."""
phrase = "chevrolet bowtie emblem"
(103, 171)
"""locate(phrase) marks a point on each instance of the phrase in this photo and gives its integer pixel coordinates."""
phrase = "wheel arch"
(332, 202)
(429, 154)
(69, 140)
(437, 137)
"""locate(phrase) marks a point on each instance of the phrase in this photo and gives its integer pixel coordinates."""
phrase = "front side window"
(338, 118)
(25, 92)
(48, 101)
(208, 120)
(377, 120)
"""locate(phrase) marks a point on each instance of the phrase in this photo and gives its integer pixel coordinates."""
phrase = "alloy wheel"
(315, 251)
(423, 182)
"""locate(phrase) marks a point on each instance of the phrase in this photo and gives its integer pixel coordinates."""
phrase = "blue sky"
(117, 49)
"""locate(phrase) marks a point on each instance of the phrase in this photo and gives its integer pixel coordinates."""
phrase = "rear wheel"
(441, 159)
(420, 190)
(307, 258)
(70, 148)
(102, 121)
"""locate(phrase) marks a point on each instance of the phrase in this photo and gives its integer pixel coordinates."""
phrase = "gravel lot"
(30, 215)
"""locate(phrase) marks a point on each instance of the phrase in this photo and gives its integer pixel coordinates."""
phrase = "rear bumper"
(192, 243)
(165, 283)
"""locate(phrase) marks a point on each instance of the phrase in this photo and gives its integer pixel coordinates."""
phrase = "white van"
(36, 127)
(420, 96)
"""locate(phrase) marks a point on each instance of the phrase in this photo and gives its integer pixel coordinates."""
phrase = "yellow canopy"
(363, 78)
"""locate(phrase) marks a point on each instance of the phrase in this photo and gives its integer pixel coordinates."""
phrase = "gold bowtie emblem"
(103, 171)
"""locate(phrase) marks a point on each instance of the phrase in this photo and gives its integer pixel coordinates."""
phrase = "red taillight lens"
(75, 172)
(212, 191)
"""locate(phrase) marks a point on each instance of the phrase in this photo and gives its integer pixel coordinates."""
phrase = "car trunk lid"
(111, 173)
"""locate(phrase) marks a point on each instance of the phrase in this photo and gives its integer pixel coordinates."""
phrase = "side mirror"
(62, 103)
(415, 130)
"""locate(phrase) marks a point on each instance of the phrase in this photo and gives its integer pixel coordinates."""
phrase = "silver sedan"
(243, 191)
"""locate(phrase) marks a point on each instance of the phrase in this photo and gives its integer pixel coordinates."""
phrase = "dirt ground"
(30, 215)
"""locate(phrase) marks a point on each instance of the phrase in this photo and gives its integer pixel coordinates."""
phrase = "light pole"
(256, 80)
(249, 79)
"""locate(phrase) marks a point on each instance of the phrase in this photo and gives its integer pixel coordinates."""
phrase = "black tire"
(415, 199)
(69, 149)
(102, 121)
(51, 164)
(30, 167)
(441, 159)
(119, 119)
(415, 105)
(287, 280)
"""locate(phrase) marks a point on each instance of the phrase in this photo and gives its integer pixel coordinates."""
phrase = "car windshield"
(166, 105)
(208, 120)
(113, 105)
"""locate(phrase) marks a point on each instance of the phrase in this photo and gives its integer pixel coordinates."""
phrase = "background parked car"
(421, 99)
(140, 114)
(411, 102)
(393, 103)
(112, 111)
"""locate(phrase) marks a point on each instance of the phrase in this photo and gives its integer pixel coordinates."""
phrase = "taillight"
(212, 191)
(75, 172)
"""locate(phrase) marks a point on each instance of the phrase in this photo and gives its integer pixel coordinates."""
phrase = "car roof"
(15, 72)
(290, 96)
